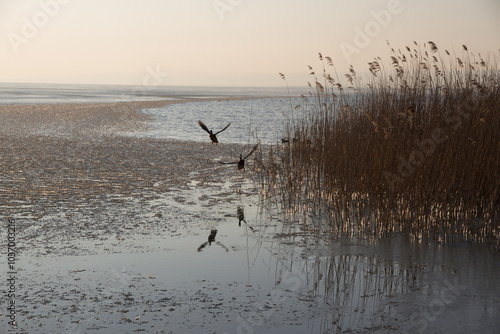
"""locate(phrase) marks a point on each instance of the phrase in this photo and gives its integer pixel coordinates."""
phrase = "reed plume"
(412, 148)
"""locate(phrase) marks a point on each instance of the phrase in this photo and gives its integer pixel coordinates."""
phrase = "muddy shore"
(78, 189)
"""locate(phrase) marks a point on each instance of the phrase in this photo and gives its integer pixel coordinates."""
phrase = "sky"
(224, 42)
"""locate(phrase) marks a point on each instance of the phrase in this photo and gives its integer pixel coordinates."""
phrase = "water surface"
(142, 261)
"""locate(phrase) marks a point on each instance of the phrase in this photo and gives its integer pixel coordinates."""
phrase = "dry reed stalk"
(415, 149)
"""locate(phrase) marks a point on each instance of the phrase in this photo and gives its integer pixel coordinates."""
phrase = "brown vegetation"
(414, 148)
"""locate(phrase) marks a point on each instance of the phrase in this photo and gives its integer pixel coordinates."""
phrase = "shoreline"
(86, 120)
(162, 100)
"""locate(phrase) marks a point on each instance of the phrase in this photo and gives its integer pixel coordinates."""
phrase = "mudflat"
(90, 203)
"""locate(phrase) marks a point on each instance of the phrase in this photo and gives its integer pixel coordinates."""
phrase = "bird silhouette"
(241, 162)
(240, 213)
(211, 238)
(212, 135)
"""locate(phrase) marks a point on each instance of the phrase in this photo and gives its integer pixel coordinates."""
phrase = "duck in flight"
(213, 136)
(241, 162)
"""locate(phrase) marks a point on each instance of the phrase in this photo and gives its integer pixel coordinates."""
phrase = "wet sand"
(56, 157)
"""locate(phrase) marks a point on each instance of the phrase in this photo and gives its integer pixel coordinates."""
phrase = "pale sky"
(224, 42)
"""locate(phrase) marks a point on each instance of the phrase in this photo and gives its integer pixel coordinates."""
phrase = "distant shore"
(82, 120)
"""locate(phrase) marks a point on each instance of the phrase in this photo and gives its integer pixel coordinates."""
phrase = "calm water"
(24, 93)
(55, 93)
(283, 277)
(251, 120)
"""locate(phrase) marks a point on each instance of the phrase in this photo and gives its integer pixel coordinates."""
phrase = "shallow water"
(138, 259)
(158, 273)
(251, 120)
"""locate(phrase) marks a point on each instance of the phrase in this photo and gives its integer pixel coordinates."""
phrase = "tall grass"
(412, 146)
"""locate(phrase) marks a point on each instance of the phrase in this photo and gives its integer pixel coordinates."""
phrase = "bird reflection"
(211, 238)
(240, 213)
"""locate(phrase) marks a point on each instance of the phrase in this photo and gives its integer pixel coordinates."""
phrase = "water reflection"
(371, 284)
(385, 284)
(211, 239)
(240, 213)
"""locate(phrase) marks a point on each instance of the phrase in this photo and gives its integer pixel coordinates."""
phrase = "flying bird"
(241, 162)
(213, 136)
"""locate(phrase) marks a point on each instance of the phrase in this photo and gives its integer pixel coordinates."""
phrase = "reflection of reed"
(353, 287)
(353, 284)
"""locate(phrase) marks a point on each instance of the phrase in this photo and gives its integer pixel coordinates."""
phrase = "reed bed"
(412, 146)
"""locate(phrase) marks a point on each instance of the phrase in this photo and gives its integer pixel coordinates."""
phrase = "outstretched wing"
(251, 151)
(203, 126)
(223, 129)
